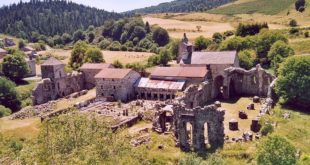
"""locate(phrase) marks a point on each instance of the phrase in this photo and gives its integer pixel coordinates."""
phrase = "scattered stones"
(34, 111)
(251, 106)
(218, 104)
(145, 139)
(256, 99)
(233, 125)
(247, 136)
(287, 115)
(243, 115)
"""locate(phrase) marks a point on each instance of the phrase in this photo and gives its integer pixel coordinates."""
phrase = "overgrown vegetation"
(293, 81)
(8, 95)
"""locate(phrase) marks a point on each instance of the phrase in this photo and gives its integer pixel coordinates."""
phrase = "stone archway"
(218, 87)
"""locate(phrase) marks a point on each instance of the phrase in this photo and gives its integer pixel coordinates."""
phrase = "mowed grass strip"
(269, 7)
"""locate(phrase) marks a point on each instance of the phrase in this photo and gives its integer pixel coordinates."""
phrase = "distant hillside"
(182, 6)
(49, 18)
(270, 7)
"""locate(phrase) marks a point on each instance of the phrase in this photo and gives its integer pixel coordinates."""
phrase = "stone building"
(90, 70)
(166, 82)
(56, 82)
(116, 84)
(216, 62)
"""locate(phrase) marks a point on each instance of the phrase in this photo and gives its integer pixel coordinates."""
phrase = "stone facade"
(56, 83)
(32, 67)
(241, 82)
(198, 118)
(90, 71)
(116, 84)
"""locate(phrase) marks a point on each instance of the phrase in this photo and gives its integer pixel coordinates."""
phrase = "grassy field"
(109, 56)
(301, 46)
(177, 28)
(269, 7)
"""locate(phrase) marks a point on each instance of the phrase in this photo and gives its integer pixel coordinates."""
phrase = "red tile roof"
(95, 66)
(113, 73)
(192, 72)
(223, 57)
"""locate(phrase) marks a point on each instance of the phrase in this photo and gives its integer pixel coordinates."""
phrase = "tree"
(278, 52)
(300, 5)
(78, 54)
(66, 38)
(8, 95)
(91, 37)
(104, 44)
(247, 58)
(276, 150)
(250, 29)
(202, 43)
(198, 28)
(165, 56)
(293, 81)
(173, 48)
(306, 34)
(78, 35)
(161, 36)
(217, 37)
(21, 44)
(147, 27)
(293, 23)
(118, 64)
(93, 55)
(15, 67)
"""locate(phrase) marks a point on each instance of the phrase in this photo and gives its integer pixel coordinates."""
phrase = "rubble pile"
(34, 111)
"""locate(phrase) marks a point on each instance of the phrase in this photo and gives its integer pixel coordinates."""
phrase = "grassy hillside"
(269, 7)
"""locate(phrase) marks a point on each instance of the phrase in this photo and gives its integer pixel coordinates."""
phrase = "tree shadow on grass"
(21, 82)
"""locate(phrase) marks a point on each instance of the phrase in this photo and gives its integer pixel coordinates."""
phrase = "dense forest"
(182, 6)
(49, 17)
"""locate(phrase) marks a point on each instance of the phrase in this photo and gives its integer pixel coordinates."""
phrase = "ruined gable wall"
(197, 95)
(253, 82)
(214, 117)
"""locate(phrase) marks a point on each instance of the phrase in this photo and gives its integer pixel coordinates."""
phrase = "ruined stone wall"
(90, 74)
(119, 89)
(32, 67)
(247, 82)
(197, 95)
(47, 89)
(71, 83)
(197, 117)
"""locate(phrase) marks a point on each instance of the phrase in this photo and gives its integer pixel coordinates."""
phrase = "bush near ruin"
(293, 81)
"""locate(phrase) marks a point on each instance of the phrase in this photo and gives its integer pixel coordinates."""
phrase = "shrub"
(202, 43)
(4, 111)
(115, 46)
(93, 55)
(247, 58)
(278, 52)
(293, 23)
(229, 33)
(276, 150)
(300, 5)
(9, 96)
(267, 129)
(250, 29)
(104, 43)
(217, 38)
(118, 64)
(294, 31)
(306, 34)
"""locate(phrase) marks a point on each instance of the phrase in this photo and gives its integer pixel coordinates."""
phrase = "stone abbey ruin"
(184, 92)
